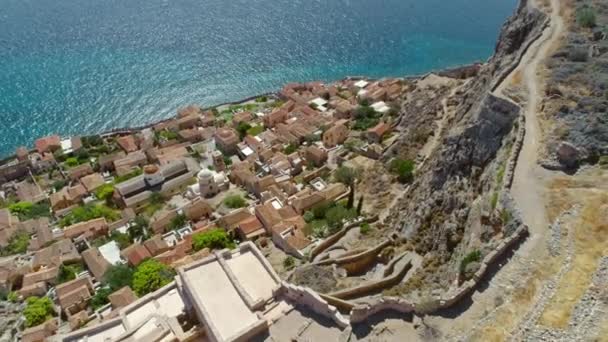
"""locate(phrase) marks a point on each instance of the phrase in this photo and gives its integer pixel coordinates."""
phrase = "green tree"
(235, 201)
(37, 311)
(65, 274)
(89, 212)
(242, 128)
(212, 239)
(122, 239)
(335, 217)
(348, 176)
(360, 206)
(118, 276)
(139, 229)
(308, 216)
(178, 222)
(27, 210)
(291, 148)
(71, 162)
(404, 169)
(150, 276)
(105, 192)
(101, 297)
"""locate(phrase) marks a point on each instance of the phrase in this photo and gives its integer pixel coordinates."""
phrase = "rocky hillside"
(577, 98)
(446, 213)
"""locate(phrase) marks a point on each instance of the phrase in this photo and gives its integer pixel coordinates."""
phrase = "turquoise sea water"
(83, 66)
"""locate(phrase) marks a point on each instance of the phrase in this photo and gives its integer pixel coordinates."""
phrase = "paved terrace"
(228, 296)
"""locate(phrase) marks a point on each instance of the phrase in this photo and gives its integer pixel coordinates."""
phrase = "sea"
(73, 67)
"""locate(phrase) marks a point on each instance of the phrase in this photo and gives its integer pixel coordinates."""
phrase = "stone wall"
(516, 149)
(372, 287)
(331, 240)
(361, 312)
(355, 263)
(312, 300)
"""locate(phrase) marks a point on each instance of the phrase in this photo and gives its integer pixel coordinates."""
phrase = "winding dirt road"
(529, 181)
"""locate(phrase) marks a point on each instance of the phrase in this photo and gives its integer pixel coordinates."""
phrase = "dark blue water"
(83, 66)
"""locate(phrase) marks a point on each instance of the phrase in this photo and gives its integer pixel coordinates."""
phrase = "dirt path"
(529, 183)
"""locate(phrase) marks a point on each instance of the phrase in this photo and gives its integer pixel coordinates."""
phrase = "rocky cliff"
(441, 214)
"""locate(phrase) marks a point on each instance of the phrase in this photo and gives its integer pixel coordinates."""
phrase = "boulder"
(568, 155)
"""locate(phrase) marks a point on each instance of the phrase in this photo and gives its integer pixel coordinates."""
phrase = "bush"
(474, 256)
(59, 184)
(37, 311)
(126, 177)
(104, 192)
(586, 17)
(17, 244)
(255, 130)
(242, 128)
(27, 210)
(65, 274)
(89, 212)
(101, 298)
(212, 239)
(364, 229)
(118, 276)
(404, 169)
(72, 161)
(150, 276)
(123, 240)
(289, 149)
(494, 200)
(12, 297)
(261, 99)
(308, 216)
(289, 263)
(235, 201)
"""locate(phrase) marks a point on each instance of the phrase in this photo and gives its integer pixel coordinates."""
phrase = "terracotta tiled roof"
(122, 297)
(135, 254)
(47, 143)
(95, 262)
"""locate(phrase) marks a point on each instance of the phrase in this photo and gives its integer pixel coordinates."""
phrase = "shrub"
(235, 201)
(473, 256)
(308, 216)
(261, 99)
(178, 222)
(404, 169)
(126, 177)
(364, 229)
(289, 149)
(17, 244)
(212, 239)
(255, 130)
(118, 276)
(37, 311)
(123, 240)
(27, 210)
(289, 263)
(494, 200)
(335, 217)
(72, 161)
(59, 184)
(65, 274)
(89, 212)
(139, 229)
(105, 192)
(242, 128)
(586, 17)
(12, 297)
(150, 276)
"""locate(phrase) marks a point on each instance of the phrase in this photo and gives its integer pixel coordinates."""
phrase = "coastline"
(453, 72)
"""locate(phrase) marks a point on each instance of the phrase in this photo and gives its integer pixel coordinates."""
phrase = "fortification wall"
(372, 287)
(312, 300)
(361, 312)
(358, 262)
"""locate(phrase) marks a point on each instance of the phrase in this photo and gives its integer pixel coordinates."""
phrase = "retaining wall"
(356, 263)
(331, 240)
(312, 300)
(361, 312)
(365, 289)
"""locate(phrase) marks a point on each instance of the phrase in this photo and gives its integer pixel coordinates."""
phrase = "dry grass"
(516, 78)
(591, 242)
